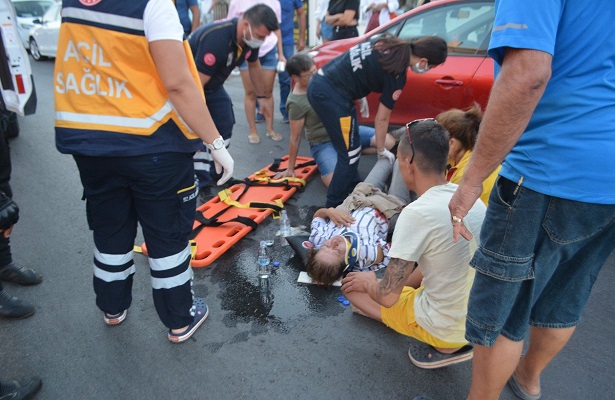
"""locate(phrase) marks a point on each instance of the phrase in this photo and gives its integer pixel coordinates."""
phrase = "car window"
(466, 27)
(393, 29)
(31, 9)
(52, 14)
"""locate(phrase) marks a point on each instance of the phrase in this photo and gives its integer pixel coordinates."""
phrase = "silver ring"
(456, 219)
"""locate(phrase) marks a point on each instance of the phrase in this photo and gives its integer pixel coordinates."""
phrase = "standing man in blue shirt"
(289, 7)
(184, 8)
(551, 217)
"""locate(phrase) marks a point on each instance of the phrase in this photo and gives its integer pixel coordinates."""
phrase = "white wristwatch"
(217, 144)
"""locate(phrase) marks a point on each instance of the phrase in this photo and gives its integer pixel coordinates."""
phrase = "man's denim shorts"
(538, 259)
(268, 61)
(326, 30)
(366, 133)
(325, 156)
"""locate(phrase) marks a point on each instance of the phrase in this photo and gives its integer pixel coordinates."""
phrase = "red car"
(465, 77)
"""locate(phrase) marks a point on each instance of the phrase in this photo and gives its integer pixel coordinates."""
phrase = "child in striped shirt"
(353, 238)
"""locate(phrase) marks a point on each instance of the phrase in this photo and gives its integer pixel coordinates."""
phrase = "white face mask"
(417, 69)
(252, 43)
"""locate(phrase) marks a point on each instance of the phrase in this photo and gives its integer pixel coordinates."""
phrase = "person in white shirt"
(381, 8)
(424, 291)
(207, 10)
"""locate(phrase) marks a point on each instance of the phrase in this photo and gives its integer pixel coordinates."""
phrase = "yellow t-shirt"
(460, 170)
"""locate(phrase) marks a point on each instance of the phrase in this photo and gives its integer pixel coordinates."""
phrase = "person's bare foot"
(531, 387)
(447, 351)
(180, 330)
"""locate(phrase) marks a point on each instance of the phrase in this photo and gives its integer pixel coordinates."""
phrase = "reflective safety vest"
(109, 97)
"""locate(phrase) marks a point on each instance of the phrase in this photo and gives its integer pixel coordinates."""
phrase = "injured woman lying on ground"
(353, 236)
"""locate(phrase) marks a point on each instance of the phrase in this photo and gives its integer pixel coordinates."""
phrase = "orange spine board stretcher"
(213, 241)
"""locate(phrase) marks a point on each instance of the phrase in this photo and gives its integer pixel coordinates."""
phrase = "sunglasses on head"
(409, 126)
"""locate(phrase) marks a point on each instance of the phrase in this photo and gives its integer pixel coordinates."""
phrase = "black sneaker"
(20, 390)
(16, 274)
(259, 118)
(13, 308)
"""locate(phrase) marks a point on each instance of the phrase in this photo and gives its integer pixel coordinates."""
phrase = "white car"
(27, 11)
(17, 85)
(44, 36)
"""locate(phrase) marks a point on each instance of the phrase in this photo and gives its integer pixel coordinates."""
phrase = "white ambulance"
(16, 82)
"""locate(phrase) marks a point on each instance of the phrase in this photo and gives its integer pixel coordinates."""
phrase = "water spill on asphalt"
(236, 275)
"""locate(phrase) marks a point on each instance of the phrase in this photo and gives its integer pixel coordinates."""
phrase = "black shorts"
(344, 32)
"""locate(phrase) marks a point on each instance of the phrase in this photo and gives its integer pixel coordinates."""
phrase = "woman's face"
(455, 150)
(419, 65)
(332, 251)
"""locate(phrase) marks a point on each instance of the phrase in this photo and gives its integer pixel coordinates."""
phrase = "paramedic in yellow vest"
(130, 110)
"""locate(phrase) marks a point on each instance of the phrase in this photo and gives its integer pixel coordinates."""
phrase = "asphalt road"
(303, 344)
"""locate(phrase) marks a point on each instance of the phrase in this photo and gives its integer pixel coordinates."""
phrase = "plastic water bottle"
(285, 228)
(263, 260)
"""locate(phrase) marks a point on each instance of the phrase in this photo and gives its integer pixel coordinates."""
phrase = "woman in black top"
(343, 15)
(379, 66)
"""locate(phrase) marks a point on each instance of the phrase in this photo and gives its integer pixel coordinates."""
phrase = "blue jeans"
(338, 114)
(268, 61)
(386, 175)
(284, 79)
(326, 30)
(538, 259)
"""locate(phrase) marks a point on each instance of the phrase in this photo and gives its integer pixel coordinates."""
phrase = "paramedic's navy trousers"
(158, 192)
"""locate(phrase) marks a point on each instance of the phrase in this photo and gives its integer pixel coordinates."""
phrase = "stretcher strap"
(275, 167)
(225, 196)
(192, 243)
(192, 249)
(213, 221)
(261, 179)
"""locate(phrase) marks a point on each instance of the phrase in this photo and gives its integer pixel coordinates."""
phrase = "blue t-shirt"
(287, 26)
(568, 147)
(183, 8)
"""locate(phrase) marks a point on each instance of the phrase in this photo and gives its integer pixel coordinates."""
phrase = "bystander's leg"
(492, 366)
(545, 344)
